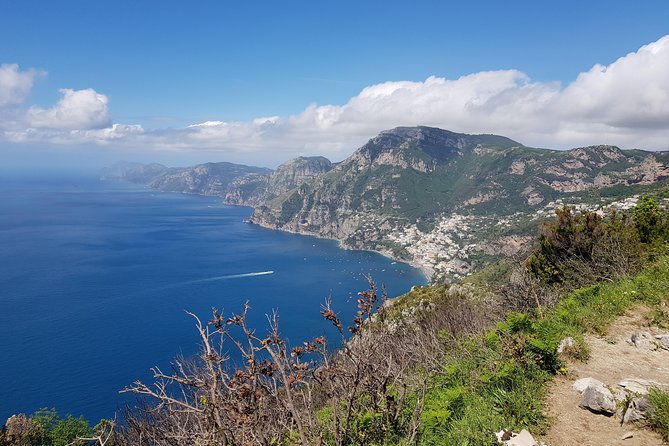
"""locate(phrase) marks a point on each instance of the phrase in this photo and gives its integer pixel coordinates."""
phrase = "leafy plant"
(648, 219)
(658, 415)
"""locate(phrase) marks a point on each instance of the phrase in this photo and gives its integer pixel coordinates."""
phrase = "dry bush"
(369, 389)
(19, 430)
(205, 401)
(525, 292)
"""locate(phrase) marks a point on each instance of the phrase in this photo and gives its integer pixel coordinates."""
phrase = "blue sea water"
(95, 277)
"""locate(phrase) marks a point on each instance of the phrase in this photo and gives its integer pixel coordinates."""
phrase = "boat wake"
(230, 276)
(212, 279)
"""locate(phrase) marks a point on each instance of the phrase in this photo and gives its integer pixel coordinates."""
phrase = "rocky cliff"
(237, 183)
(445, 200)
(206, 179)
(254, 190)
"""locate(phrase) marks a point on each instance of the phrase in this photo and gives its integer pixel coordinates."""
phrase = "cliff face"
(256, 190)
(133, 172)
(447, 193)
(296, 172)
(445, 201)
(206, 179)
(236, 183)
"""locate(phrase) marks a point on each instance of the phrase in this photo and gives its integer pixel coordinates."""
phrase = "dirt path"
(612, 359)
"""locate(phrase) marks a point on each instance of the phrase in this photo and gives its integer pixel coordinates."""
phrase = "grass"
(498, 380)
(658, 416)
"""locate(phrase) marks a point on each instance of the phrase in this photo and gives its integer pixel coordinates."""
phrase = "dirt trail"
(612, 359)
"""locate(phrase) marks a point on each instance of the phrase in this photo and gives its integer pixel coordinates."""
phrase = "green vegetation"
(658, 417)
(448, 364)
(586, 248)
(649, 220)
(503, 372)
(45, 428)
(496, 379)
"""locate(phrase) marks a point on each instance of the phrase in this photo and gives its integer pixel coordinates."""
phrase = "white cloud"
(625, 103)
(76, 110)
(207, 124)
(15, 85)
(633, 92)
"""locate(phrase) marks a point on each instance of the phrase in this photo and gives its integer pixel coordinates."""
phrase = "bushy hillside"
(443, 364)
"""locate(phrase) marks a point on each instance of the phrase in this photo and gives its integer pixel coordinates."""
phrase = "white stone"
(523, 438)
(598, 398)
(640, 386)
(663, 341)
(581, 384)
(566, 342)
(642, 339)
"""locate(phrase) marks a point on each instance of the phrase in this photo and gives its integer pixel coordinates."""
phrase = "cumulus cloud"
(76, 110)
(15, 85)
(625, 103)
(632, 92)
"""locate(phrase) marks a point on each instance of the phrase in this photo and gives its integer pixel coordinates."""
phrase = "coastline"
(427, 271)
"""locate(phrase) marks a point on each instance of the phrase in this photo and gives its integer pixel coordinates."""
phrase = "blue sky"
(153, 68)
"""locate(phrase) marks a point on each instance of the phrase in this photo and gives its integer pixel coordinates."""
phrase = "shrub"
(658, 416)
(576, 250)
(44, 428)
(648, 219)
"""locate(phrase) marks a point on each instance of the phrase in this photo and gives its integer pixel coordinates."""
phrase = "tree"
(648, 219)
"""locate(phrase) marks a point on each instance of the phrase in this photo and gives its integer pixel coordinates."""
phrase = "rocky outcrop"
(598, 398)
(133, 172)
(296, 172)
(205, 179)
(256, 190)
(405, 186)
(443, 200)
(628, 400)
(645, 340)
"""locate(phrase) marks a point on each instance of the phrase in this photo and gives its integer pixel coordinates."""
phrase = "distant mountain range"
(448, 202)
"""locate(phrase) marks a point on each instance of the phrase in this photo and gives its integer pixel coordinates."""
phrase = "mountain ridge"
(442, 200)
(410, 185)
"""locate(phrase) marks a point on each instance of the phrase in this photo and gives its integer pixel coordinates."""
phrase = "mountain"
(133, 172)
(237, 183)
(446, 200)
(206, 179)
(254, 190)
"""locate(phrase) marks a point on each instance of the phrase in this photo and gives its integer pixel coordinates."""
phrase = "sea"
(96, 278)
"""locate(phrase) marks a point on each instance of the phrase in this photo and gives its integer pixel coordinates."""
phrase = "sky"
(260, 82)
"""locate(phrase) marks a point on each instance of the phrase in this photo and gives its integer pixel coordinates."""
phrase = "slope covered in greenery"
(443, 364)
(460, 196)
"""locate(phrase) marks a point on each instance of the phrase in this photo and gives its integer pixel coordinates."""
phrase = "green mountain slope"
(421, 193)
